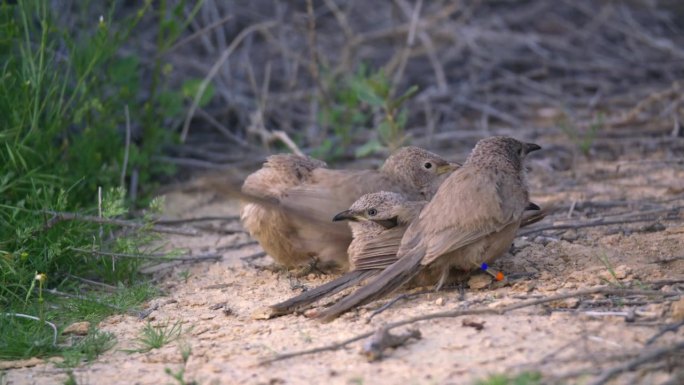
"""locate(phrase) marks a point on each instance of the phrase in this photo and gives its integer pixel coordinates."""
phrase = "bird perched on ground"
(378, 222)
(472, 219)
(304, 185)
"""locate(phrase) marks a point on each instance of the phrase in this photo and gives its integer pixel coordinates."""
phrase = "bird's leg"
(442, 278)
(311, 267)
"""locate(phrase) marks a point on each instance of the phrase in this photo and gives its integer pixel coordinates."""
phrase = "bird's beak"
(447, 168)
(532, 206)
(346, 215)
(529, 147)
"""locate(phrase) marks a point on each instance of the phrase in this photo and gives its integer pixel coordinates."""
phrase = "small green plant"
(352, 106)
(88, 348)
(154, 337)
(184, 275)
(524, 378)
(583, 138)
(71, 378)
(179, 376)
(609, 266)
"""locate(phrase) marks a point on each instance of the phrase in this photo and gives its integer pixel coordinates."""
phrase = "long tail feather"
(385, 283)
(310, 296)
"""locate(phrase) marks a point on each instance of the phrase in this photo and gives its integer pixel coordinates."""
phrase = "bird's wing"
(329, 192)
(466, 208)
(376, 252)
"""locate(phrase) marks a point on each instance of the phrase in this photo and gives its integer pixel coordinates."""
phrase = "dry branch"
(58, 216)
(160, 257)
(644, 357)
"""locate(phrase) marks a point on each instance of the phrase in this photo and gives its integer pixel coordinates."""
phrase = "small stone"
(521, 242)
(653, 227)
(677, 310)
(621, 272)
(77, 328)
(523, 287)
(551, 113)
(501, 303)
(570, 235)
(479, 281)
(439, 301)
(568, 303)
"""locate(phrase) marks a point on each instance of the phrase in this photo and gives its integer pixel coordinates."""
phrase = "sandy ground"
(568, 341)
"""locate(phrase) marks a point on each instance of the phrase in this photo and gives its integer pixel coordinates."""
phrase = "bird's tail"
(310, 296)
(533, 216)
(384, 283)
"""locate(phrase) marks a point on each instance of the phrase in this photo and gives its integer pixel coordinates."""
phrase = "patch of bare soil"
(573, 340)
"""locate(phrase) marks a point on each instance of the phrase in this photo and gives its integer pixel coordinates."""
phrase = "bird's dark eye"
(372, 212)
(520, 152)
(427, 165)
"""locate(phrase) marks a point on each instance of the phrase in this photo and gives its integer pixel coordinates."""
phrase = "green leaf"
(191, 87)
(369, 148)
(366, 93)
(396, 103)
(124, 71)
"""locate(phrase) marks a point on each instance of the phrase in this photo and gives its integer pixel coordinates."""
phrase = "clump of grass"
(583, 138)
(88, 348)
(609, 266)
(154, 337)
(524, 378)
(65, 96)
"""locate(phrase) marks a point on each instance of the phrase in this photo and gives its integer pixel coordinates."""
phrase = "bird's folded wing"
(377, 252)
(469, 208)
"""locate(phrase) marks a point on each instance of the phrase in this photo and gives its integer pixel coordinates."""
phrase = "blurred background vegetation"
(101, 102)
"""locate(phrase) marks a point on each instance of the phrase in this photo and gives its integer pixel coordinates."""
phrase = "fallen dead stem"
(228, 218)
(607, 290)
(639, 216)
(644, 357)
(65, 216)
(161, 257)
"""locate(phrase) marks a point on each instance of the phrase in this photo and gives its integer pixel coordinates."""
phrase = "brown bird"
(472, 219)
(378, 222)
(304, 185)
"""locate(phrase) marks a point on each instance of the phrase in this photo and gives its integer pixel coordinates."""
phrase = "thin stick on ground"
(607, 290)
(643, 358)
(229, 218)
(637, 217)
(58, 216)
(162, 257)
(668, 328)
